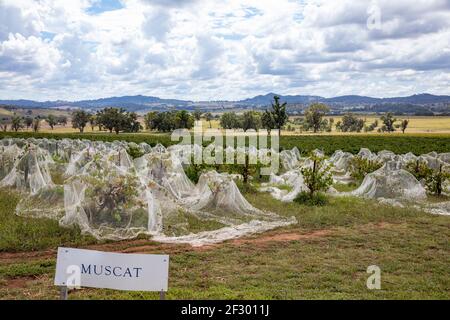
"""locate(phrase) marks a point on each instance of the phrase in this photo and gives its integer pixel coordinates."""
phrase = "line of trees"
(274, 118)
(111, 119)
(314, 120)
(119, 120)
(17, 122)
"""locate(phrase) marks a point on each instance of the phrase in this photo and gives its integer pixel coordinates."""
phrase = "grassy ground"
(325, 255)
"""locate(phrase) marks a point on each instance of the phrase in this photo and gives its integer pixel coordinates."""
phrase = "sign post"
(76, 268)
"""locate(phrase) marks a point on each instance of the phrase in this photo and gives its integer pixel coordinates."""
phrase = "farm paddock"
(324, 255)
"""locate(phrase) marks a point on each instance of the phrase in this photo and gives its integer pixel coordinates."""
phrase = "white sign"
(120, 271)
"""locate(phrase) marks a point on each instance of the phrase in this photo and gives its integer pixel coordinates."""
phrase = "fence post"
(64, 292)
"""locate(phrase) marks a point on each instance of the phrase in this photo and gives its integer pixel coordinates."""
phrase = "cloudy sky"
(215, 50)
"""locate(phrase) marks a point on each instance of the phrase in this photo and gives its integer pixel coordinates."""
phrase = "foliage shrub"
(135, 152)
(317, 177)
(434, 179)
(318, 199)
(360, 167)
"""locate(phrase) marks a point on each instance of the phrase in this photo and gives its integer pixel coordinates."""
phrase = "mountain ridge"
(141, 101)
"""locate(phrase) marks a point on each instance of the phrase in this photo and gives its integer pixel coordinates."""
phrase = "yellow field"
(416, 125)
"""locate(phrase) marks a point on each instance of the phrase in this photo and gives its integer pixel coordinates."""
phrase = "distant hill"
(142, 103)
(348, 100)
(129, 102)
(268, 98)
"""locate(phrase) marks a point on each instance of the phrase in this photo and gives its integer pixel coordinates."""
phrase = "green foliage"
(399, 144)
(350, 123)
(314, 117)
(135, 152)
(62, 120)
(317, 199)
(79, 120)
(93, 121)
(404, 125)
(168, 121)
(318, 177)
(246, 188)
(230, 120)
(371, 127)
(52, 121)
(197, 115)
(360, 167)
(28, 122)
(279, 113)
(388, 122)
(267, 121)
(209, 117)
(36, 124)
(418, 169)
(115, 119)
(16, 123)
(150, 120)
(184, 120)
(251, 120)
(435, 179)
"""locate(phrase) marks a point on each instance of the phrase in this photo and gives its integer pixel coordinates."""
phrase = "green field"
(398, 143)
(325, 256)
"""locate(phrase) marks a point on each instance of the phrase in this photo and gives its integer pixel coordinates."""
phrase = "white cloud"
(196, 49)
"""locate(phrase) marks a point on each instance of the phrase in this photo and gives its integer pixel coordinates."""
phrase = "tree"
(209, 117)
(404, 125)
(62, 120)
(115, 119)
(388, 122)
(317, 178)
(314, 116)
(16, 123)
(28, 122)
(229, 120)
(51, 120)
(351, 123)
(267, 121)
(197, 115)
(112, 119)
(79, 119)
(149, 120)
(36, 124)
(132, 124)
(251, 120)
(279, 114)
(166, 121)
(184, 120)
(92, 121)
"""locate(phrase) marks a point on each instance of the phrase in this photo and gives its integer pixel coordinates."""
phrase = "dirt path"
(146, 246)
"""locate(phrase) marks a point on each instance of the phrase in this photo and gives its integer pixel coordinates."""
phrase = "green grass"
(409, 246)
(26, 234)
(398, 143)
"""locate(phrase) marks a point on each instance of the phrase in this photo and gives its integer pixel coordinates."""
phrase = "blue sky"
(222, 50)
(100, 6)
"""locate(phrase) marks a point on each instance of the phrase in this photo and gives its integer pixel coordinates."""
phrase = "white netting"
(293, 184)
(99, 188)
(391, 182)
